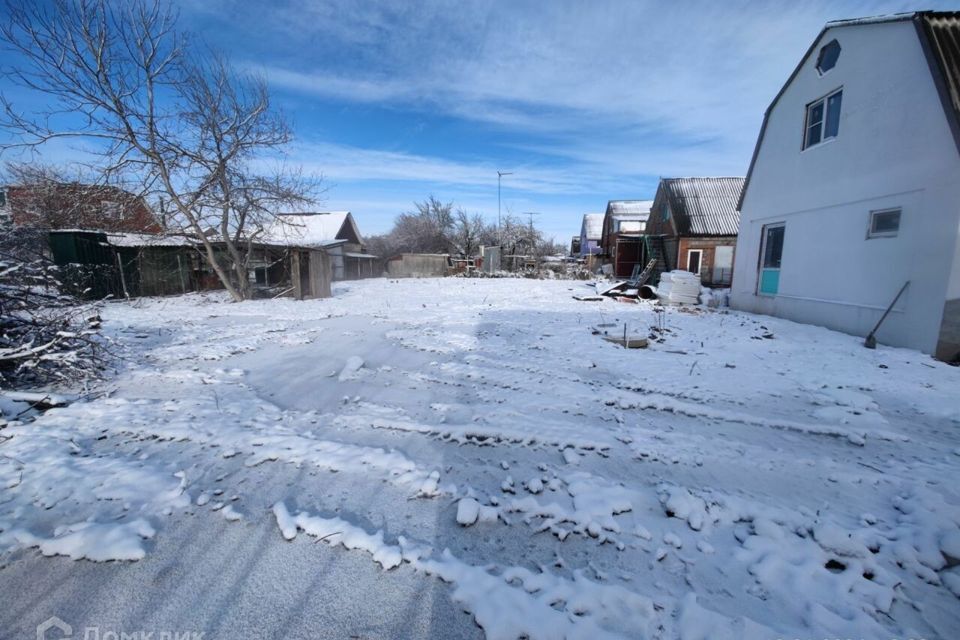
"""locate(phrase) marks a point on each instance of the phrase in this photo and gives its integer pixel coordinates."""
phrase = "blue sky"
(583, 101)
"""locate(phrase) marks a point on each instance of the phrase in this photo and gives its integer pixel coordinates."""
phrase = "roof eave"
(933, 62)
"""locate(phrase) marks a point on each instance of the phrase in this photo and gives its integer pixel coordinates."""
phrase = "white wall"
(894, 149)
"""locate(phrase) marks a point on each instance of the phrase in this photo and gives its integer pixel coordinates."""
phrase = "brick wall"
(708, 247)
(77, 206)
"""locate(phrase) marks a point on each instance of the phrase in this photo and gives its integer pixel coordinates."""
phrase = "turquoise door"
(771, 254)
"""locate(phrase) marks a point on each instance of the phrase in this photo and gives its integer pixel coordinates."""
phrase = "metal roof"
(703, 206)
(592, 226)
(629, 207)
(939, 34)
(940, 37)
(148, 240)
(311, 229)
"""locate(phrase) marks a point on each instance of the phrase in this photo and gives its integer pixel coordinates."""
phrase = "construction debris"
(679, 287)
(628, 342)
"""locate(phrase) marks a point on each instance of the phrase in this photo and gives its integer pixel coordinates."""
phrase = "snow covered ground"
(458, 458)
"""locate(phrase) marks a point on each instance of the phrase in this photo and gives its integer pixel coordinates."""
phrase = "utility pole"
(500, 174)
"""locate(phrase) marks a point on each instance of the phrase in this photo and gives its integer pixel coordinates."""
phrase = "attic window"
(829, 54)
(112, 210)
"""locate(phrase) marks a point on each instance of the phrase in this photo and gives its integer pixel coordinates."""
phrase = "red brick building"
(74, 205)
(694, 223)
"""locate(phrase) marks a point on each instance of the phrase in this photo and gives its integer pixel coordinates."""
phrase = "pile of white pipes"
(679, 287)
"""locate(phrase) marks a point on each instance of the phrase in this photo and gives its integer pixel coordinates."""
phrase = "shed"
(335, 232)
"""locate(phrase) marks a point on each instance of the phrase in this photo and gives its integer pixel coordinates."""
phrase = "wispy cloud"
(626, 75)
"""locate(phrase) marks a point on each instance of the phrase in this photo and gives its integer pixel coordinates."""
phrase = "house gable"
(73, 205)
(349, 231)
(939, 35)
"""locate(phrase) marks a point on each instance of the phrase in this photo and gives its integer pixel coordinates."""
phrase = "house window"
(884, 224)
(829, 54)
(823, 119)
(3, 198)
(771, 253)
(112, 209)
(665, 214)
(694, 258)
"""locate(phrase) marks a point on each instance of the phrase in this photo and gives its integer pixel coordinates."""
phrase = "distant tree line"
(434, 226)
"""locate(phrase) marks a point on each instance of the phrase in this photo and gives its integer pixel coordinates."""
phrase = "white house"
(854, 186)
(591, 231)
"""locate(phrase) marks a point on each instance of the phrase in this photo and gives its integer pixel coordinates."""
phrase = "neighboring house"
(72, 205)
(591, 232)
(693, 226)
(334, 231)
(854, 186)
(97, 264)
(624, 225)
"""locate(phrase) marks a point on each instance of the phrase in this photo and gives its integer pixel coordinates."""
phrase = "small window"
(112, 210)
(3, 198)
(823, 119)
(665, 214)
(884, 224)
(829, 54)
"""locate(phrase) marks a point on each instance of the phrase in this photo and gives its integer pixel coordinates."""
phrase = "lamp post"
(500, 174)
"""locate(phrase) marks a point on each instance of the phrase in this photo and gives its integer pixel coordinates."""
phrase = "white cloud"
(633, 88)
(602, 96)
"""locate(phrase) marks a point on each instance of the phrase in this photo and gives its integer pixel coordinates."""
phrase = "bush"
(46, 335)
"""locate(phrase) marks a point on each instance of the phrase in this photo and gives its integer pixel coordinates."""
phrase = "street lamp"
(500, 174)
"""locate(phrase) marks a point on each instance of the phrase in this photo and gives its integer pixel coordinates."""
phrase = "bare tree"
(426, 230)
(470, 233)
(187, 127)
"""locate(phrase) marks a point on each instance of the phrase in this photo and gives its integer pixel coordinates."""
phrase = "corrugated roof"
(122, 239)
(942, 46)
(703, 206)
(148, 240)
(592, 226)
(629, 207)
(311, 229)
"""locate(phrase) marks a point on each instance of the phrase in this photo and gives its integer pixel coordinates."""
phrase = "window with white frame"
(884, 223)
(823, 119)
(112, 210)
(694, 260)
